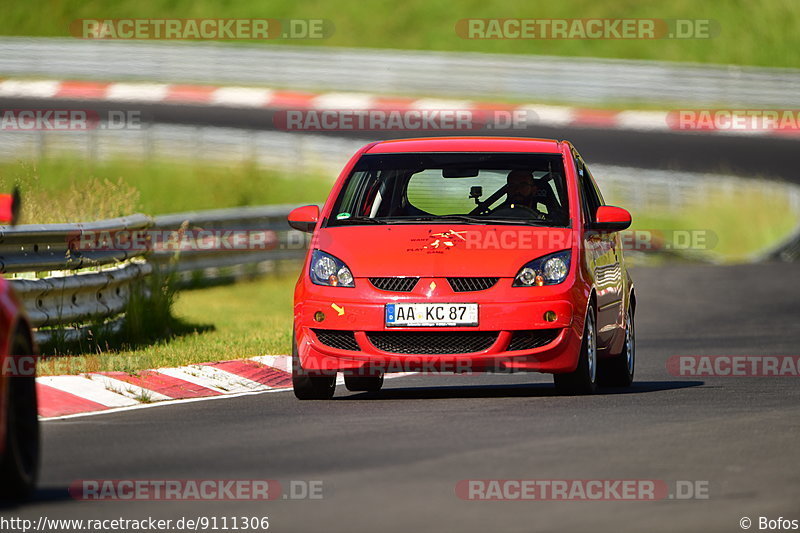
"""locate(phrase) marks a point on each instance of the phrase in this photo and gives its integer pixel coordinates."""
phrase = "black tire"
(363, 383)
(618, 371)
(309, 386)
(583, 380)
(19, 465)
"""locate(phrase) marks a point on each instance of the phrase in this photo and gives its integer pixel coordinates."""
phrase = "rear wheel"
(583, 380)
(363, 383)
(618, 371)
(310, 386)
(19, 465)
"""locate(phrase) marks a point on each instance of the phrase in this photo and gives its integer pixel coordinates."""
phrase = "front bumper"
(503, 311)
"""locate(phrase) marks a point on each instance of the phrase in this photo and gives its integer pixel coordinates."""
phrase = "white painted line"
(343, 101)
(87, 389)
(31, 89)
(437, 104)
(124, 388)
(220, 379)
(279, 362)
(643, 120)
(550, 114)
(227, 380)
(137, 92)
(241, 96)
(191, 377)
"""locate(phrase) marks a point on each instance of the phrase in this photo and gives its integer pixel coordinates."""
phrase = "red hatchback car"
(19, 423)
(466, 254)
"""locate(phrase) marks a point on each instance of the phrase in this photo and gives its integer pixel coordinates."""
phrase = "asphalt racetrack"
(391, 461)
(747, 156)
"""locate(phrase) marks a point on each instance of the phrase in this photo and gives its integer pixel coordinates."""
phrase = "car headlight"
(329, 270)
(550, 269)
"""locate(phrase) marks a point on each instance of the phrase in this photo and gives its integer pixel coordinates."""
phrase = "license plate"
(431, 314)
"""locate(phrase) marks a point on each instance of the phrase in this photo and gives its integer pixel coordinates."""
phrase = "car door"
(603, 256)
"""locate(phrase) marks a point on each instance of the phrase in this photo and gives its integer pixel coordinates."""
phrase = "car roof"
(467, 144)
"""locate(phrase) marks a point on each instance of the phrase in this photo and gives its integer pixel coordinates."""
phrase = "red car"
(463, 254)
(19, 424)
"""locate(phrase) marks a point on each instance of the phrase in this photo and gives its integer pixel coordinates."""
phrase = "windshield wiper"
(467, 219)
(463, 218)
(519, 221)
(362, 219)
(481, 220)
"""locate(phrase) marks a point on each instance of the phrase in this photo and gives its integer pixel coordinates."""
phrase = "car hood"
(439, 250)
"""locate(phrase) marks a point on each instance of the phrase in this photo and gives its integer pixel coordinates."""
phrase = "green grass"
(70, 189)
(230, 322)
(729, 240)
(755, 32)
(735, 223)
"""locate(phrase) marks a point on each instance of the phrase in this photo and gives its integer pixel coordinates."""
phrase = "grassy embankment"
(758, 32)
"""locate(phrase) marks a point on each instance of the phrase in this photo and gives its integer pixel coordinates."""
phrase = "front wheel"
(19, 464)
(309, 386)
(618, 371)
(583, 380)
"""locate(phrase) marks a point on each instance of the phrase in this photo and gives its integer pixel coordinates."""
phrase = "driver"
(521, 191)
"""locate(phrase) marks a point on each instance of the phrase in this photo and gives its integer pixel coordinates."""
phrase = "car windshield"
(471, 188)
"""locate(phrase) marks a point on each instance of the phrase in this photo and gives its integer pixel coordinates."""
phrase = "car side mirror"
(304, 218)
(610, 218)
(9, 208)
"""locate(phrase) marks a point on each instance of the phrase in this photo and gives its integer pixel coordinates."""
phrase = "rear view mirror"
(459, 172)
(304, 218)
(9, 208)
(610, 218)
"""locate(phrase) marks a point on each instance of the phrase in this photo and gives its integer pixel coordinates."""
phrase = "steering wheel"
(515, 210)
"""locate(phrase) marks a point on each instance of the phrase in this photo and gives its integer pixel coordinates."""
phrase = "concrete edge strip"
(109, 392)
(250, 97)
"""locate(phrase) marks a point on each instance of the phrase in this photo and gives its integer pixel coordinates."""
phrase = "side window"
(594, 186)
(589, 195)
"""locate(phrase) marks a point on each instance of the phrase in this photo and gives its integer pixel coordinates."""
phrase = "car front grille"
(432, 343)
(471, 284)
(399, 284)
(530, 339)
(340, 339)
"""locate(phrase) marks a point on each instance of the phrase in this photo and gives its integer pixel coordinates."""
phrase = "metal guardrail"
(49, 247)
(448, 74)
(64, 300)
(65, 283)
(99, 290)
(276, 242)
